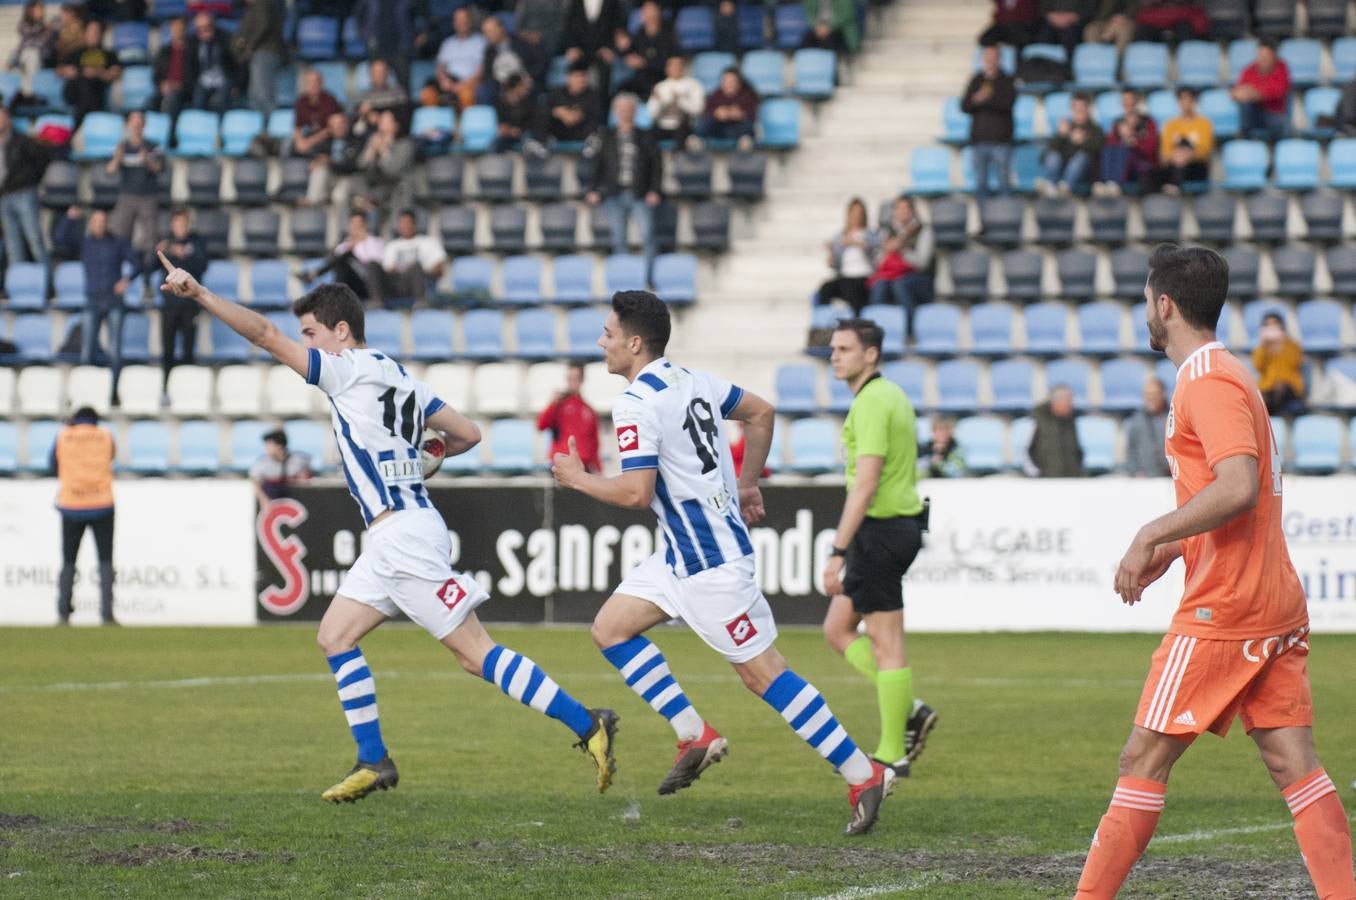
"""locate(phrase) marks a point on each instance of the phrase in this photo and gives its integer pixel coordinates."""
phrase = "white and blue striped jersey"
(378, 412)
(672, 419)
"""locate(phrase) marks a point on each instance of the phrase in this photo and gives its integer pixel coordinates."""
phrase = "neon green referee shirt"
(881, 423)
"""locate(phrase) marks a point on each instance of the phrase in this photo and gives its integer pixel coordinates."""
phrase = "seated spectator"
(412, 262)
(833, 26)
(1063, 21)
(727, 27)
(382, 95)
(385, 166)
(643, 55)
(460, 58)
(337, 157)
(520, 117)
(988, 100)
(1191, 126)
(676, 102)
(590, 26)
(171, 71)
(1144, 430)
(1113, 23)
(568, 418)
(852, 255)
(576, 110)
(1015, 22)
(1263, 95)
(942, 457)
(70, 33)
(1131, 150)
(1278, 359)
(311, 116)
(628, 179)
(1073, 151)
(731, 111)
(212, 69)
(88, 73)
(903, 275)
(105, 258)
(1181, 170)
(179, 316)
(738, 447)
(1171, 20)
(137, 163)
(1054, 451)
(356, 261)
(501, 61)
(1345, 119)
(68, 235)
(35, 35)
(278, 469)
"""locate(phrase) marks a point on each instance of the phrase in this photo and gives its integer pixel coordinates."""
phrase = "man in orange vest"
(82, 460)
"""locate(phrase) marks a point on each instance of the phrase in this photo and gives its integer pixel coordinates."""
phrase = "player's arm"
(632, 489)
(247, 323)
(759, 418)
(459, 433)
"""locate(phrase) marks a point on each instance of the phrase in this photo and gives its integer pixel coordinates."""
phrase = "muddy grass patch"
(149, 854)
(25, 821)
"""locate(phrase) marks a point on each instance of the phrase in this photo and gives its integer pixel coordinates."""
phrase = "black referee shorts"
(879, 555)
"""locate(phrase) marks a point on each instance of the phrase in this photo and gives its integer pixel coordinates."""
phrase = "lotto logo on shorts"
(741, 630)
(628, 437)
(451, 593)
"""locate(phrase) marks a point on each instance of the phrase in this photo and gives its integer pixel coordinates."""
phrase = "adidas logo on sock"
(1185, 718)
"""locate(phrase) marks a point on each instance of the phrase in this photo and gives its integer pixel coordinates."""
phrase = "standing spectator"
(903, 274)
(1054, 451)
(1191, 126)
(576, 109)
(852, 258)
(385, 165)
(105, 258)
(1073, 151)
(24, 161)
(278, 469)
(676, 102)
(1263, 95)
(68, 235)
(501, 61)
(390, 32)
(138, 163)
(259, 46)
(942, 457)
(70, 33)
(171, 71)
(1172, 20)
(311, 116)
(211, 66)
(356, 261)
(833, 25)
(82, 461)
(411, 261)
(1015, 22)
(731, 111)
(35, 36)
(1114, 23)
(1181, 169)
(569, 418)
(539, 23)
(520, 117)
(1062, 22)
(590, 26)
(1144, 431)
(460, 58)
(88, 73)
(988, 100)
(1278, 359)
(1131, 150)
(727, 32)
(645, 54)
(627, 180)
(179, 317)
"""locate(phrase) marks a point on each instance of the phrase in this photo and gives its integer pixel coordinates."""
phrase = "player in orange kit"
(1239, 642)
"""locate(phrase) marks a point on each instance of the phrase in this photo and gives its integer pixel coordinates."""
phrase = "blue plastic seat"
(583, 327)
(196, 131)
(779, 123)
(1007, 58)
(1320, 326)
(1099, 327)
(1317, 444)
(310, 437)
(101, 133)
(1245, 165)
(796, 388)
(136, 338)
(1046, 328)
(624, 272)
(910, 375)
(1242, 53)
(1342, 163)
(1320, 102)
(572, 276)
(675, 278)
(281, 123)
(930, 171)
(32, 335)
(9, 448)
(148, 448)
(789, 25)
(26, 284)
(384, 330)
(955, 122)
(472, 273)
(1162, 105)
(285, 87)
(814, 446)
(483, 332)
(814, 72)
(317, 37)
(1304, 58)
(1145, 65)
(1097, 437)
(1012, 384)
(1344, 59)
(1296, 164)
(695, 28)
(1253, 313)
(763, 70)
(131, 41)
(891, 320)
(1343, 367)
(535, 330)
(1222, 111)
(840, 397)
(238, 129)
(227, 346)
(1024, 118)
(991, 329)
(958, 385)
(438, 120)
(222, 278)
(68, 281)
(199, 448)
(351, 41)
(48, 87)
(269, 280)
(1075, 373)
(1094, 66)
(981, 439)
(708, 66)
(1122, 385)
(1198, 64)
(137, 86)
(335, 76)
(1056, 110)
(285, 322)
(522, 280)
(1106, 108)
(432, 331)
(479, 128)
(246, 443)
(936, 329)
(39, 439)
(1052, 52)
(512, 443)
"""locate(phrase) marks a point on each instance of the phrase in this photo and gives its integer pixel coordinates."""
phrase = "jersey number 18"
(700, 425)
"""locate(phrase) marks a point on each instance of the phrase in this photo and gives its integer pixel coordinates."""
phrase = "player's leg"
(894, 684)
(840, 631)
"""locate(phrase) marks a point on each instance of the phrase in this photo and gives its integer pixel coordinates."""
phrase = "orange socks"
(1324, 835)
(1121, 836)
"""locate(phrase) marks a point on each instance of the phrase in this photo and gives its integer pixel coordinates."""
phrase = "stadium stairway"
(754, 312)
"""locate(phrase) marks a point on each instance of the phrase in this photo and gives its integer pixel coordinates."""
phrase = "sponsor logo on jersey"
(401, 471)
(741, 630)
(628, 437)
(451, 593)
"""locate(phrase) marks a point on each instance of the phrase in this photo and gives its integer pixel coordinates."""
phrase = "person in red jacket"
(1263, 95)
(1014, 22)
(568, 416)
(1131, 149)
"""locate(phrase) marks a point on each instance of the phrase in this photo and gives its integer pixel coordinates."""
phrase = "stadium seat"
(1054, 53)
(457, 229)
(39, 438)
(1243, 268)
(1222, 111)
(1106, 108)
(558, 222)
(583, 327)
(1122, 385)
(521, 276)
(1267, 212)
(692, 172)
(695, 29)
(763, 70)
(1162, 214)
(752, 21)
(1056, 110)
(482, 334)
(1099, 327)
(708, 66)
(497, 388)
(99, 135)
(68, 282)
(1253, 313)
(148, 448)
(136, 338)
(1145, 65)
(317, 39)
(936, 329)
(1240, 54)
(9, 448)
(1294, 265)
(139, 390)
(60, 185)
(970, 274)
(1320, 326)
(797, 394)
(1108, 217)
(196, 133)
(512, 446)
(958, 386)
(1012, 383)
(1322, 214)
(840, 396)
(508, 229)
(1094, 67)
(40, 391)
(573, 280)
(814, 72)
(238, 391)
(32, 336)
(26, 284)
(494, 178)
(451, 382)
(238, 129)
(227, 346)
(1341, 262)
(1001, 220)
(789, 25)
(949, 222)
(930, 171)
(260, 229)
(222, 278)
(1026, 168)
(814, 446)
(246, 443)
(747, 173)
(1075, 373)
(1024, 117)
(982, 438)
(892, 322)
(779, 124)
(1198, 64)
(288, 395)
(1320, 102)
(479, 128)
(249, 179)
(286, 323)
(472, 277)
(1077, 273)
(312, 438)
(1054, 221)
(1317, 444)
(1129, 268)
(308, 228)
(204, 182)
(385, 330)
(1215, 213)
(910, 375)
(1097, 436)
(199, 448)
(675, 278)
(1303, 57)
(1344, 59)
(955, 122)
(1022, 273)
(624, 272)
(432, 333)
(535, 332)
(1343, 369)
(190, 391)
(1327, 18)
(1297, 162)
(1046, 325)
(136, 87)
(269, 284)
(1245, 165)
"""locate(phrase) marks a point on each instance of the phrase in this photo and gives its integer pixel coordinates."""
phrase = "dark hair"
(511, 83)
(1188, 90)
(180, 211)
(1196, 278)
(85, 414)
(579, 65)
(277, 436)
(642, 313)
(332, 304)
(867, 331)
(408, 212)
(1086, 98)
(1273, 314)
(1268, 43)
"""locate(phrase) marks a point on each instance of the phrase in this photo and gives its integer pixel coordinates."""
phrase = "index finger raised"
(169, 267)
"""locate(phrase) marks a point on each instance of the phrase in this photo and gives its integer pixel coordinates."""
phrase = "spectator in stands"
(942, 457)
(411, 261)
(539, 23)
(356, 261)
(68, 235)
(1345, 119)
(82, 460)
(1073, 151)
(1054, 451)
(903, 274)
(1131, 150)
(1063, 21)
(88, 73)
(104, 257)
(460, 58)
(1114, 23)
(676, 102)
(137, 163)
(211, 66)
(70, 33)
(505, 56)
(739, 444)
(727, 27)
(833, 25)
(1171, 20)
(1181, 170)
(520, 116)
(258, 45)
(35, 36)
(311, 116)
(1144, 431)
(384, 94)
(386, 164)
(1263, 95)
(644, 54)
(576, 109)
(278, 469)
(569, 418)
(178, 316)
(390, 31)
(338, 158)
(590, 26)
(1279, 360)
(852, 255)
(731, 111)
(171, 71)
(1191, 126)
(627, 180)
(1015, 22)
(988, 100)
(24, 162)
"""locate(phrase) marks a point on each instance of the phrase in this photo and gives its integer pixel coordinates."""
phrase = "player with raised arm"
(379, 414)
(1238, 645)
(675, 460)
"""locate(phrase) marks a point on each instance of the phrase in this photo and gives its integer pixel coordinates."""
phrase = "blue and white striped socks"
(647, 673)
(524, 681)
(804, 709)
(358, 694)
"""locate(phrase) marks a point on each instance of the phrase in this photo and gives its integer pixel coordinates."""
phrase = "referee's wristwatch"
(837, 551)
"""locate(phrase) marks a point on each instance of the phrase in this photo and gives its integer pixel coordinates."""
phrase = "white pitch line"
(917, 882)
(1213, 833)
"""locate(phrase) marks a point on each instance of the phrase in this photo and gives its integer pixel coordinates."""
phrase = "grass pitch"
(189, 763)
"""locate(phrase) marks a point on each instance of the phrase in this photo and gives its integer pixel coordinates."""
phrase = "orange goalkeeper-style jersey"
(1240, 582)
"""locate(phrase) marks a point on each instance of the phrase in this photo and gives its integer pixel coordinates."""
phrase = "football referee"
(879, 534)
